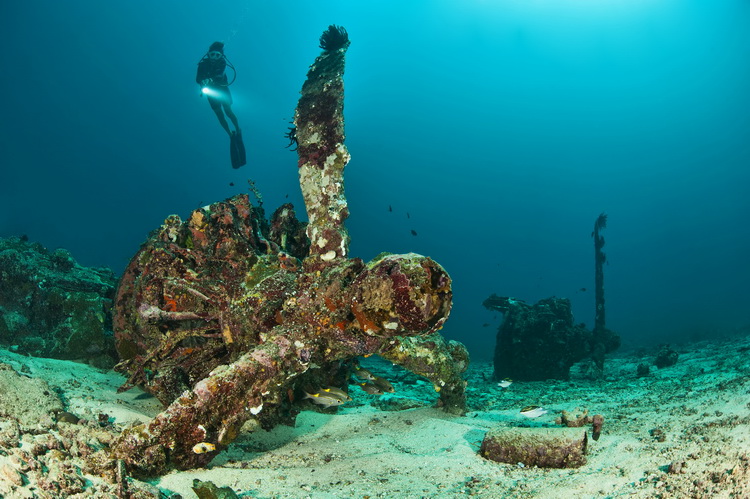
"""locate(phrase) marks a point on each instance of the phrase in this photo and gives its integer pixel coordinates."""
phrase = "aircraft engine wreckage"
(226, 316)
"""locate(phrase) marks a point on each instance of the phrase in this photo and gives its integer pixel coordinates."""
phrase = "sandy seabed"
(679, 432)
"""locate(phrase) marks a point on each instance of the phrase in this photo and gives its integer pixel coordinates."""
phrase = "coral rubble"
(50, 306)
(224, 317)
(576, 419)
(26, 400)
(46, 451)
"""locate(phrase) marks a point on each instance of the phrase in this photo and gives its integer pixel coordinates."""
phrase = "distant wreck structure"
(540, 341)
(537, 342)
(226, 316)
(604, 340)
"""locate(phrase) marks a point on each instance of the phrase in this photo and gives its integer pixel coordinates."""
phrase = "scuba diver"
(213, 81)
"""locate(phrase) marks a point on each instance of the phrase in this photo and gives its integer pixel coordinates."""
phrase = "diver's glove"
(206, 82)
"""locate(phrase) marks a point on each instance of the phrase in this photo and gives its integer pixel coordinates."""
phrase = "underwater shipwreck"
(231, 318)
(224, 323)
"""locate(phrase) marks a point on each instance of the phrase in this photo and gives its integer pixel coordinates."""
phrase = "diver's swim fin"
(237, 150)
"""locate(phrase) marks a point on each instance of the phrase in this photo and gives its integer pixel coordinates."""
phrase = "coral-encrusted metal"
(222, 314)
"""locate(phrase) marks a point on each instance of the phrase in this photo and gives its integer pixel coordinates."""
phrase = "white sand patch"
(696, 412)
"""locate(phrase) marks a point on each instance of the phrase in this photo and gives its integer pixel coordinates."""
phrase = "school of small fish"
(332, 396)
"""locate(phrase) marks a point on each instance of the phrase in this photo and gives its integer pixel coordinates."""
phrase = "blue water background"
(502, 127)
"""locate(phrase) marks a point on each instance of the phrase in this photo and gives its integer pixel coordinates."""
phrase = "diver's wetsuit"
(214, 69)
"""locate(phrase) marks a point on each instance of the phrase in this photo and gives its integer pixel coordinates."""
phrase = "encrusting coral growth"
(50, 306)
(319, 122)
(226, 317)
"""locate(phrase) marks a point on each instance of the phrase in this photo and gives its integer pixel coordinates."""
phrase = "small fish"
(486, 324)
(390, 208)
(363, 373)
(370, 388)
(325, 399)
(336, 392)
(383, 384)
(533, 411)
(231, 184)
(407, 215)
(505, 383)
(204, 447)
(413, 232)
(582, 289)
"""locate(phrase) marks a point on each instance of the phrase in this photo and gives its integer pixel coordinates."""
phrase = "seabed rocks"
(226, 317)
(50, 306)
